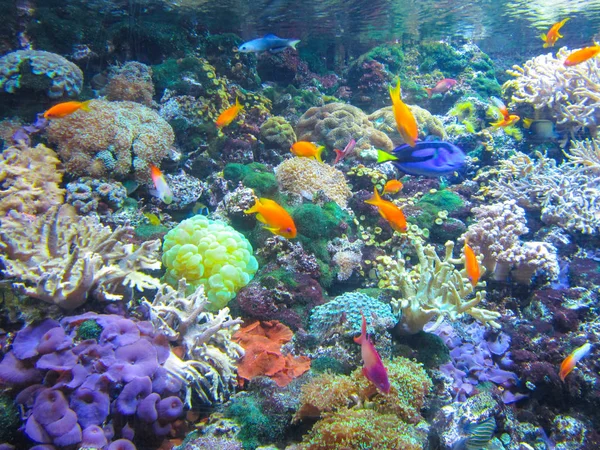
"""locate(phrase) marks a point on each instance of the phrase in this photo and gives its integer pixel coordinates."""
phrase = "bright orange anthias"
(373, 368)
(405, 121)
(392, 187)
(277, 219)
(389, 212)
(553, 34)
(582, 55)
(471, 265)
(307, 150)
(227, 116)
(507, 118)
(65, 109)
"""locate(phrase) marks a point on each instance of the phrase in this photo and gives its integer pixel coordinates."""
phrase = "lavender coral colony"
(217, 242)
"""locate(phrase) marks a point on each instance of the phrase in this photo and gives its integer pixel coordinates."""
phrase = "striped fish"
(480, 434)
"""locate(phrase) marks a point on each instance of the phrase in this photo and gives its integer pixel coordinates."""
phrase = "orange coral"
(262, 343)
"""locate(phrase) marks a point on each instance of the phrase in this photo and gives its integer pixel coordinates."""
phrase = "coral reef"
(40, 71)
(209, 253)
(132, 82)
(566, 94)
(336, 123)
(112, 140)
(306, 177)
(29, 180)
(62, 259)
(431, 289)
(496, 235)
(88, 195)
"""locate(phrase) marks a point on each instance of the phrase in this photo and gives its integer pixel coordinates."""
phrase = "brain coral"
(305, 176)
(210, 253)
(336, 123)
(277, 133)
(429, 125)
(112, 140)
(132, 81)
(38, 70)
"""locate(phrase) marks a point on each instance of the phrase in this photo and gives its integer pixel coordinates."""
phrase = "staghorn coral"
(112, 140)
(495, 235)
(431, 289)
(336, 124)
(570, 95)
(62, 259)
(40, 71)
(29, 179)
(132, 81)
(429, 125)
(209, 353)
(305, 177)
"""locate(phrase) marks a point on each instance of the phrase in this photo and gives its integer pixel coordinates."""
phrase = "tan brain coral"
(112, 140)
(336, 123)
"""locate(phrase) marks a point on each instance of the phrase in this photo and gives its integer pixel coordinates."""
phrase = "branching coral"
(112, 140)
(210, 354)
(306, 177)
(61, 259)
(335, 124)
(431, 289)
(571, 95)
(29, 180)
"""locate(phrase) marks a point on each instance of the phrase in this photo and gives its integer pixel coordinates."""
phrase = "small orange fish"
(471, 265)
(392, 187)
(571, 361)
(307, 150)
(278, 220)
(227, 116)
(582, 55)
(65, 109)
(405, 120)
(553, 34)
(507, 118)
(163, 191)
(389, 212)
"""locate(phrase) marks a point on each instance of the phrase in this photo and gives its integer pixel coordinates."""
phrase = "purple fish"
(427, 158)
(341, 154)
(373, 368)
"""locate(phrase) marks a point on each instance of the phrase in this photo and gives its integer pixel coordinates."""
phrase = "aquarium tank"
(308, 225)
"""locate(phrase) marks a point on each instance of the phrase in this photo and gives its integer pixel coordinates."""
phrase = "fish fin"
(395, 92)
(544, 37)
(270, 36)
(385, 156)
(319, 152)
(294, 43)
(238, 104)
(429, 91)
(254, 208)
(277, 49)
(85, 105)
(527, 123)
(273, 230)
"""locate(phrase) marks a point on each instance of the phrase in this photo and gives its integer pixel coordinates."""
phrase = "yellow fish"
(227, 116)
(405, 120)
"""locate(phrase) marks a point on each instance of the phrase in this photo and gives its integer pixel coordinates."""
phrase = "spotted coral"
(112, 140)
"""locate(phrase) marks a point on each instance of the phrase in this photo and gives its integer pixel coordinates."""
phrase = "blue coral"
(86, 194)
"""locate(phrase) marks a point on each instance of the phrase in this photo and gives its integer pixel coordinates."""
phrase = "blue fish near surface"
(269, 42)
(427, 158)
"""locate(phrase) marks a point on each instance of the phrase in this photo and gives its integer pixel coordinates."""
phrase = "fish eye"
(289, 230)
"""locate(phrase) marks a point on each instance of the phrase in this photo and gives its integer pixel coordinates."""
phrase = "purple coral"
(92, 407)
(133, 392)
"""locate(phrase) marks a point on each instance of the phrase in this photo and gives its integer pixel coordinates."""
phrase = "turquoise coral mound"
(210, 253)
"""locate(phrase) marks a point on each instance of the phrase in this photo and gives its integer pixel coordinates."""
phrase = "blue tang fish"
(427, 158)
(269, 43)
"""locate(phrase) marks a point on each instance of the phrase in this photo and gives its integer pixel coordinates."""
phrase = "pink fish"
(443, 86)
(373, 367)
(341, 154)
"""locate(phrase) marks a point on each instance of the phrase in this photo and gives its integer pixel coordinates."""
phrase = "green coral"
(255, 176)
(10, 420)
(90, 329)
(209, 253)
(443, 199)
(277, 133)
(442, 56)
(326, 364)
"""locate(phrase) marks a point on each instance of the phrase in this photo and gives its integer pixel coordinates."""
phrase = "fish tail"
(238, 104)
(319, 152)
(395, 92)
(385, 156)
(85, 105)
(294, 43)
(566, 367)
(429, 91)
(255, 207)
(544, 37)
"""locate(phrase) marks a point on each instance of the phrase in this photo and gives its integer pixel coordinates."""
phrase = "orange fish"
(582, 55)
(277, 219)
(163, 191)
(471, 265)
(507, 118)
(405, 121)
(307, 150)
(571, 361)
(553, 34)
(389, 212)
(227, 116)
(65, 109)
(392, 187)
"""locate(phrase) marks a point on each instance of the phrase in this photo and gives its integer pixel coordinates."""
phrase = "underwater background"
(299, 225)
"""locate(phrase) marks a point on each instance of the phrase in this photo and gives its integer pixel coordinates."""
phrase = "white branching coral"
(62, 259)
(210, 355)
(432, 289)
(496, 235)
(570, 95)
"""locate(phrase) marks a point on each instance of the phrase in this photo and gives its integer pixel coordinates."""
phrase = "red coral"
(262, 342)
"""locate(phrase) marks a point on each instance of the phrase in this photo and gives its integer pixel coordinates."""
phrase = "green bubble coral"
(210, 253)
